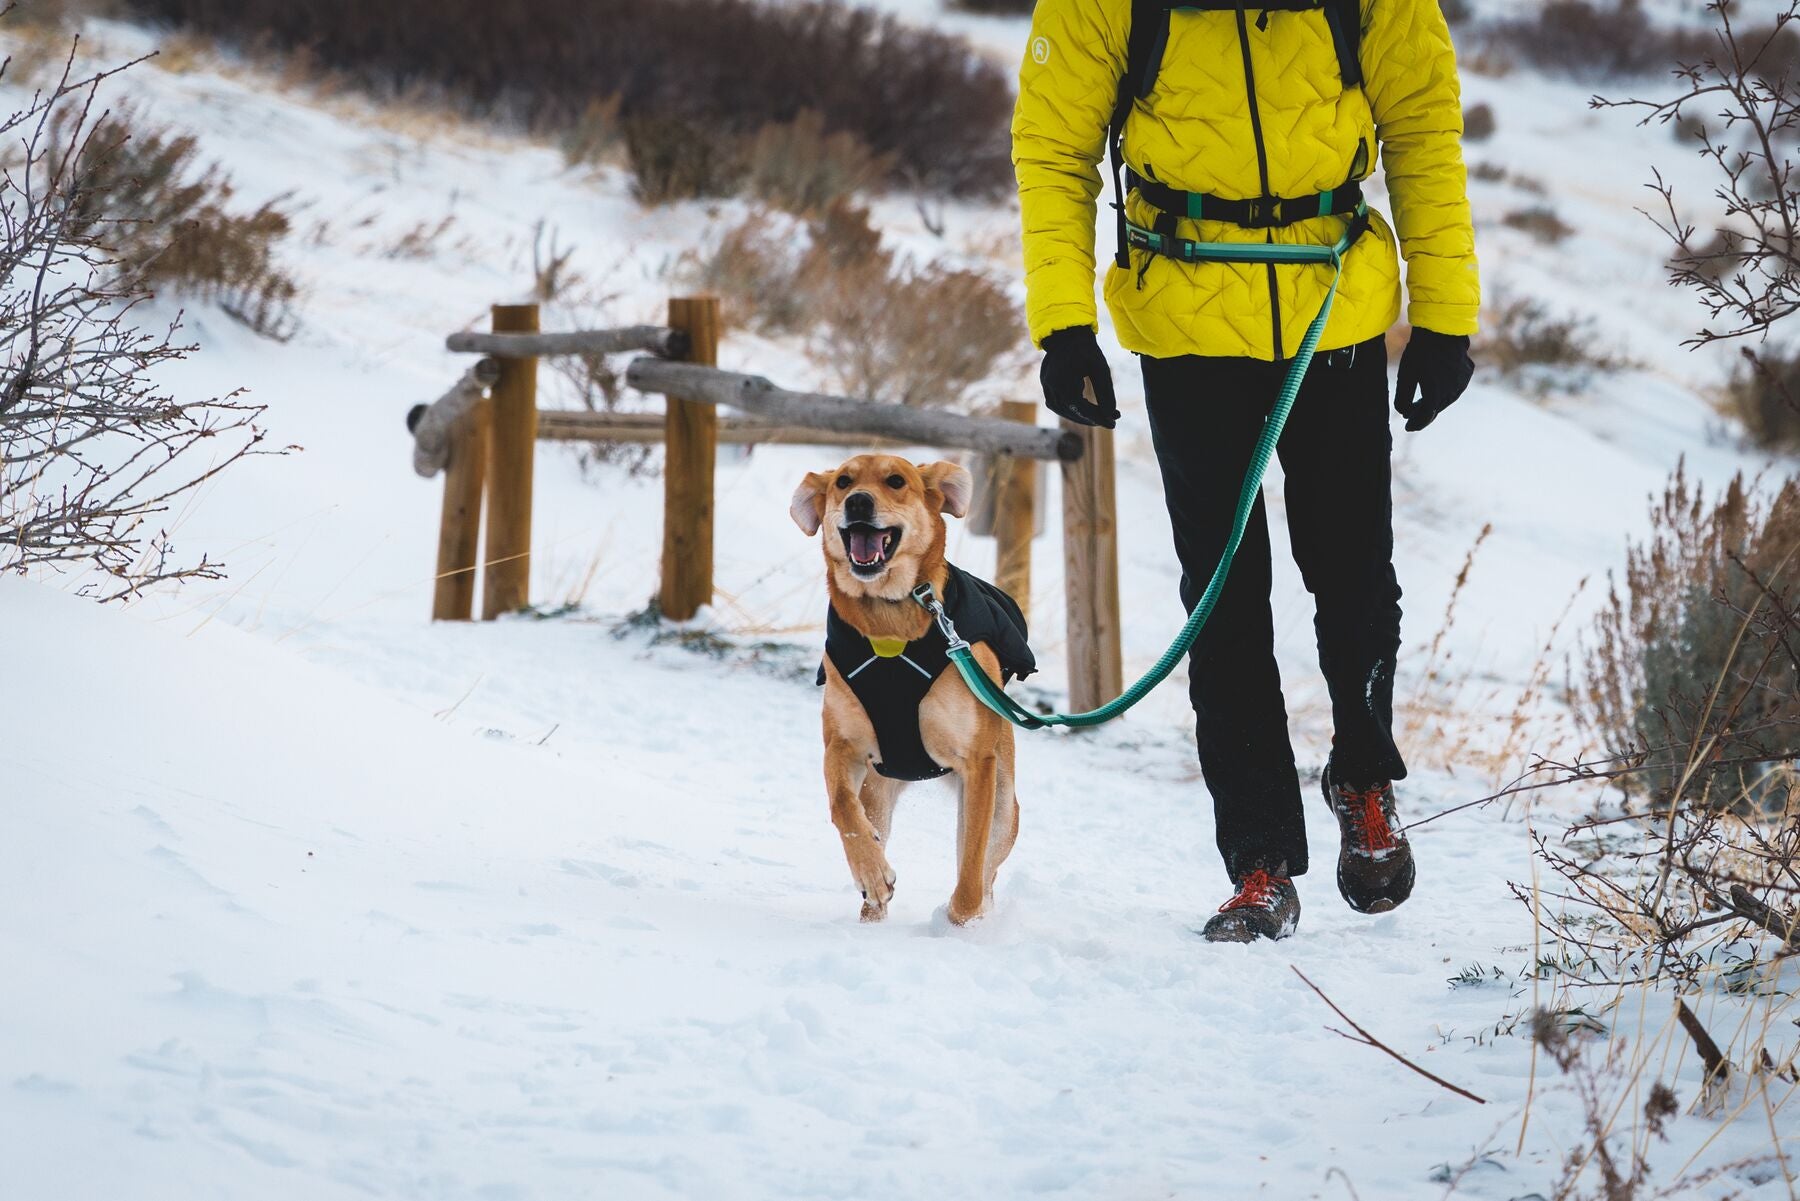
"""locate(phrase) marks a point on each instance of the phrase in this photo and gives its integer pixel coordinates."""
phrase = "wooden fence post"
(459, 531)
(1015, 512)
(512, 446)
(691, 444)
(1091, 571)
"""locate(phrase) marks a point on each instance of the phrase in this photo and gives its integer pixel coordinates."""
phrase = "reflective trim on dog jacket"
(891, 678)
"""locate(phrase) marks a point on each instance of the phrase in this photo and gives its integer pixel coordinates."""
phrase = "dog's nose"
(859, 506)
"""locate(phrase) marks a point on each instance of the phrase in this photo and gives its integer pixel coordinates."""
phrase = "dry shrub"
(596, 136)
(675, 158)
(1000, 8)
(1478, 123)
(1765, 396)
(1541, 222)
(96, 458)
(1674, 659)
(1591, 40)
(1495, 173)
(1545, 353)
(915, 335)
(726, 67)
(755, 271)
(888, 330)
(54, 15)
(166, 218)
(803, 167)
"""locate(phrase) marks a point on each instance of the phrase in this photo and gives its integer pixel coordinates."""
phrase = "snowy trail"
(305, 898)
(427, 965)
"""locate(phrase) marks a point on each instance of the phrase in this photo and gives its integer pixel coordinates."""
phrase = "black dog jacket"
(890, 687)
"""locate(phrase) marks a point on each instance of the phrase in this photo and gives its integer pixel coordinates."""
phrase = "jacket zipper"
(1262, 167)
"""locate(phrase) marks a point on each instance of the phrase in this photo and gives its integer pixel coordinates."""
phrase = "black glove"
(1434, 370)
(1071, 358)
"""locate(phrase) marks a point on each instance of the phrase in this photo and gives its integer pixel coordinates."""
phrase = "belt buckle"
(1263, 212)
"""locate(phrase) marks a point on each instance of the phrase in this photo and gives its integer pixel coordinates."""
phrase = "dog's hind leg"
(979, 776)
(1006, 816)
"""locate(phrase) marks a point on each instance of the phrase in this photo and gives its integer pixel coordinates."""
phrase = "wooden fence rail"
(652, 339)
(837, 414)
(561, 425)
(484, 447)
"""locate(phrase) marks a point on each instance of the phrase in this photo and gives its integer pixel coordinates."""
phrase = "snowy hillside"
(304, 897)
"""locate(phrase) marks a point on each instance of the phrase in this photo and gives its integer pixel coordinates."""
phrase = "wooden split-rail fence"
(482, 435)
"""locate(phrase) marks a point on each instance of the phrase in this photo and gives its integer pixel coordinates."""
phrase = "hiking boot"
(1265, 906)
(1375, 862)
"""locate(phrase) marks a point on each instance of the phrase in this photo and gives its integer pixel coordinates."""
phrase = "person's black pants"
(1205, 414)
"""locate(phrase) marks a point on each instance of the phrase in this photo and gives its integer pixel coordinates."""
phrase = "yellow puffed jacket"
(1204, 129)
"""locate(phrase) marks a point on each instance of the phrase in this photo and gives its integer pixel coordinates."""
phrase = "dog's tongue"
(865, 545)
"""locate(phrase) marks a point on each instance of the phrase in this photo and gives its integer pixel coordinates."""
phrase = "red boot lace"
(1368, 818)
(1254, 892)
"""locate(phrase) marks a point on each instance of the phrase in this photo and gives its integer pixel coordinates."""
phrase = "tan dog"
(884, 523)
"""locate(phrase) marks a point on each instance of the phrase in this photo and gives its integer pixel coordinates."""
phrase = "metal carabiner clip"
(927, 600)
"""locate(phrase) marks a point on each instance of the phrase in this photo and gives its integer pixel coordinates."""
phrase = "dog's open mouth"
(870, 546)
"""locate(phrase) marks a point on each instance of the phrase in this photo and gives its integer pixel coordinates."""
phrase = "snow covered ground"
(304, 897)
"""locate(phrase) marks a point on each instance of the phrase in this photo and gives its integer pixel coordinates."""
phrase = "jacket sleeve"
(1412, 86)
(1073, 61)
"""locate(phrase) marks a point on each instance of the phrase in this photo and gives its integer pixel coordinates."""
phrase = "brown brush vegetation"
(1541, 222)
(723, 67)
(1590, 39)
(1765, 396)
(1479, 123)
(886, 328)
(1543, 351)
(170, 221)
(1684, 652)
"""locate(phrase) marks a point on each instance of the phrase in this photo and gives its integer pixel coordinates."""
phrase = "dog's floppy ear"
(951, 482)
(808, 506)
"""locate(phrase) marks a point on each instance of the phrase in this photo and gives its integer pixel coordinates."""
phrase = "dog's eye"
(844, 481)
(896, 481)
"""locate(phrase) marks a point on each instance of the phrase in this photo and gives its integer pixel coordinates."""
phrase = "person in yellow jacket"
(1230, 121)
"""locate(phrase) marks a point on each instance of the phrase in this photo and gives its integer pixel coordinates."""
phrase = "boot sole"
(1383, 904)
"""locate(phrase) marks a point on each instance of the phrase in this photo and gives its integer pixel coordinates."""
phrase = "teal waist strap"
(1186, 250)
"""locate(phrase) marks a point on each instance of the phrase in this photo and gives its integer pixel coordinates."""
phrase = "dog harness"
(890, 678)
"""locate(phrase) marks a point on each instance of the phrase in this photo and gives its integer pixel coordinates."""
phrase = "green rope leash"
(989, 693)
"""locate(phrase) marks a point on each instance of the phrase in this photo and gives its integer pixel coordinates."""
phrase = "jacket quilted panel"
(1195, 131)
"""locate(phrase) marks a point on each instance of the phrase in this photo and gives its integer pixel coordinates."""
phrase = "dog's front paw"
(877, 884)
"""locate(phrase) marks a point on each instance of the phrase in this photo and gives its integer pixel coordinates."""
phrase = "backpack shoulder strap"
(1144, 46)
(1345, 18)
